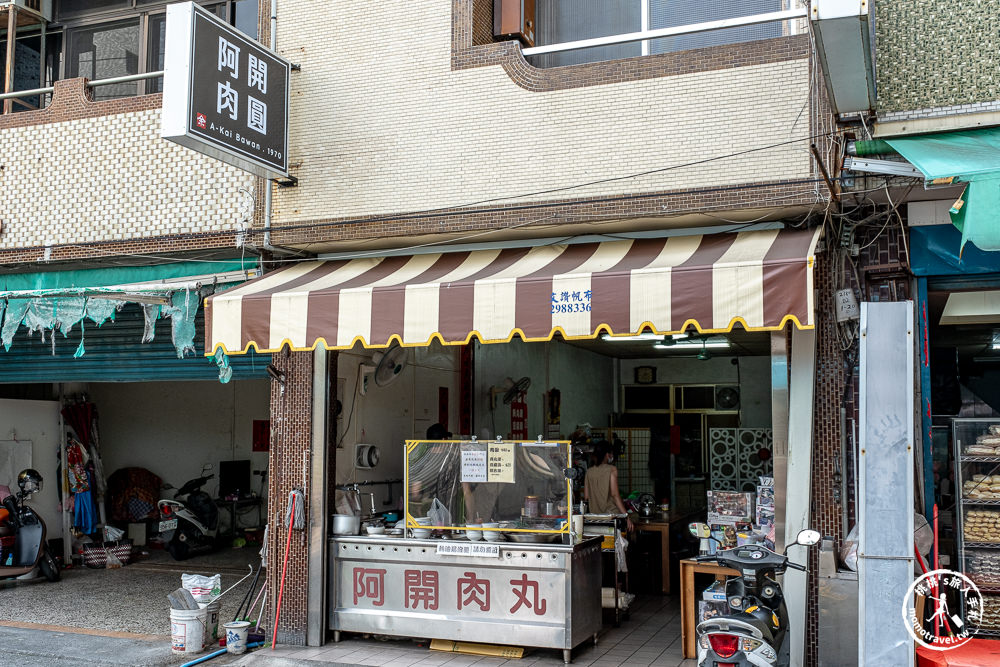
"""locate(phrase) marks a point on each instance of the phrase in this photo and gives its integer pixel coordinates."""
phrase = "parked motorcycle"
(22, 532)
(189, 522)
(755, 631)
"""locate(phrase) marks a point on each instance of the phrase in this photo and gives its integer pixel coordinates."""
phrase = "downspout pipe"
(869, 148)
(268, 185)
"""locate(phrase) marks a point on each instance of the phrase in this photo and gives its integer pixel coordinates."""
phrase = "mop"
(293, 519)
(253, 585)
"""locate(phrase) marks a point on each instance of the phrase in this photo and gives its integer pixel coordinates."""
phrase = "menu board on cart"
(473, 466)
(500, 462)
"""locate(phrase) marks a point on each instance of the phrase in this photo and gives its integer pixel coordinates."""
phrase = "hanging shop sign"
(224, 94)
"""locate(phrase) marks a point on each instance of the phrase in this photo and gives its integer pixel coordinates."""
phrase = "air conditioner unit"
(36, 9)
(514, 18)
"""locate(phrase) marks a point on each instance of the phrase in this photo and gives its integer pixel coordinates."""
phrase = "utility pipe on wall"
(267, 184)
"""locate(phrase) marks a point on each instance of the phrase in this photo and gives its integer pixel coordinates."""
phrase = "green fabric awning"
(61, 300)
(972, 157)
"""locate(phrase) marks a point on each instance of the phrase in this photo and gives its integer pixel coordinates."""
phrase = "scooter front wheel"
(48, 566)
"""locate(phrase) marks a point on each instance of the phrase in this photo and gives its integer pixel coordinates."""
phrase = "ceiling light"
(642, 336)
(714, 344)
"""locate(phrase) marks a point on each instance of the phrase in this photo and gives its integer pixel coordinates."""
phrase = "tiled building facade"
(409, 124)
(423, 118)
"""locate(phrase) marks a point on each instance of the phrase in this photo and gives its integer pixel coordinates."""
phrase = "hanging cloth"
(76, 462)
(84, 518)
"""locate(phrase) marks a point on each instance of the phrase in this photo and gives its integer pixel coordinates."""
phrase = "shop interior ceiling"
(974, 342)
(742, 344)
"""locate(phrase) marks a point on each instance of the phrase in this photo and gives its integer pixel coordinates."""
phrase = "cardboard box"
(477, 649)
(714, 593)
(765, 496)
(730, 507)
(137, 533)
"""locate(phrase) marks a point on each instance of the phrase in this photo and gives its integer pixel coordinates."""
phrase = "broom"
(293, 519)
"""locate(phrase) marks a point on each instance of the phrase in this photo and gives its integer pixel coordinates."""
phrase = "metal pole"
(67, 519)
(125, 79)
(41, 56)
(779, 430)
(25, 93)
(8, 76)
(317, 501)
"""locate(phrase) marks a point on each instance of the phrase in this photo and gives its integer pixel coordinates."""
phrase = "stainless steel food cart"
(532, 583)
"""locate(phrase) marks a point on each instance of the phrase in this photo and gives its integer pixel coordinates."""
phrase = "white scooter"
(189, 526)
(754, 633)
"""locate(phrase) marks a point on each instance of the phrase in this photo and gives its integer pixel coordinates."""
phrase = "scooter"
(22, 532)
(189, 526)
(755, 631)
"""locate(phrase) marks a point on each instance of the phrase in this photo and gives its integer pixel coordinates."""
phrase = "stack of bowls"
(491, 535)
(474, 531)
(422, 533)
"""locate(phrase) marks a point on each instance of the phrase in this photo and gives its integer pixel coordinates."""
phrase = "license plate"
(169, 524)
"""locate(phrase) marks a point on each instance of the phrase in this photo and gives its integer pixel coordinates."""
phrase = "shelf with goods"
(977, 479)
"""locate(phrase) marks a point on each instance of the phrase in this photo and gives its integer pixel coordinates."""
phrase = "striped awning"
(760, 280)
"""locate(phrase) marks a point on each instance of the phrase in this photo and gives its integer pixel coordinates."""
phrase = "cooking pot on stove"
(346, 524)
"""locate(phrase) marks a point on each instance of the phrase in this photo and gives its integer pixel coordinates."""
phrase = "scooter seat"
(761, 625)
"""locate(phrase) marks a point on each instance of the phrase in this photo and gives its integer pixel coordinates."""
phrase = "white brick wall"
(381, 123)
(111, 178)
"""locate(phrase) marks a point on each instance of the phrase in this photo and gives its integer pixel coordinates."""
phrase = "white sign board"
(469, 549)
(474, 466)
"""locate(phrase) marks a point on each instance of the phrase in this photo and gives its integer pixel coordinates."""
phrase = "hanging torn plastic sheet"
(50, 314)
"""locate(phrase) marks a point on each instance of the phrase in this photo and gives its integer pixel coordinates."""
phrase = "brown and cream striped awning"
(760, 280)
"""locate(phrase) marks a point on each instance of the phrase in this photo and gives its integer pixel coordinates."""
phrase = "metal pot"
(346, 524)
(647, 505)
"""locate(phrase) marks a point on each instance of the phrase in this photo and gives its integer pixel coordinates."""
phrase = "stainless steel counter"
(542, 595)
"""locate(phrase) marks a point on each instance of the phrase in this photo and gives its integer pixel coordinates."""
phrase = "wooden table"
(689, 609)
(660, 523)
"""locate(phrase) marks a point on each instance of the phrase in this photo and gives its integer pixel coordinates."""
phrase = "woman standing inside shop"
(600, 486)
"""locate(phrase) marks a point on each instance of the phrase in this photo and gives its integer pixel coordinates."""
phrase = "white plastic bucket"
(187, 630)
(211, 610)
(236, 636)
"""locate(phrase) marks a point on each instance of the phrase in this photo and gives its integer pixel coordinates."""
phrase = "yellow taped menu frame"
(433, 470)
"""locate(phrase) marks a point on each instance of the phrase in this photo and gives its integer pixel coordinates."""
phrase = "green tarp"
(972, 157)
(26, 299)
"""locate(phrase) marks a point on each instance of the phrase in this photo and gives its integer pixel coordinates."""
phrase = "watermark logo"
(942, 610)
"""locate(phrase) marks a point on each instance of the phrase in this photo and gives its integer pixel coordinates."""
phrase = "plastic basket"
(96, 555)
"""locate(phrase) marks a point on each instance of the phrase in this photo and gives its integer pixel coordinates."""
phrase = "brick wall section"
(81, 173)
(799, 192)
(829, 391)
(291, 429)
(936, 54)
(482, 21)
(837, 384)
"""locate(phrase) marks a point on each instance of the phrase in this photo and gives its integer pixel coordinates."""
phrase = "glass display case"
(977, 480)
(494, 490)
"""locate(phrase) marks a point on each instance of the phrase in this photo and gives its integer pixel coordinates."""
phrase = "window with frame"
(104, 39)
(559, 21)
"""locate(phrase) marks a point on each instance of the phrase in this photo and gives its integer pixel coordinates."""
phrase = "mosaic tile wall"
(936, 54)
(69, 175)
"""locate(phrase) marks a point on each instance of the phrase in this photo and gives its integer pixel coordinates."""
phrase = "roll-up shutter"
(115, 353)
